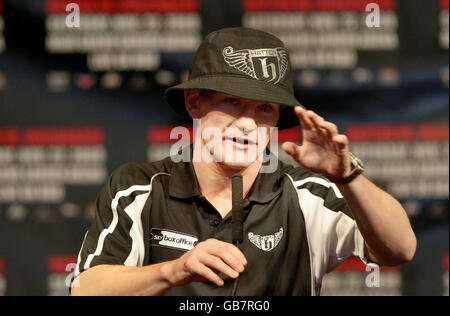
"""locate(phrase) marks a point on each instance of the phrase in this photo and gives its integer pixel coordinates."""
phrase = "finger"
(317, 122)
(218, 265)
(311, 114)
(208, 274)
(330, 128)
(303, 117)
(290, 148)
(293, 150)
(200, 272)
(229, 258)
(341, 141)
(220, 247)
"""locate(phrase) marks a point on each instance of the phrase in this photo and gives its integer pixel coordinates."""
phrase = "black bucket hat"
(243, 62)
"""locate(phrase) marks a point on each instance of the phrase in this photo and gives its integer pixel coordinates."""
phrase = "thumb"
(291, 149)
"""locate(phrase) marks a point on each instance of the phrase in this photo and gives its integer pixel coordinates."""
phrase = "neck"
(214, 178)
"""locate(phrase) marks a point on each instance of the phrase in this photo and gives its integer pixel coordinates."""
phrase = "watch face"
(356, 162)
(359, 162)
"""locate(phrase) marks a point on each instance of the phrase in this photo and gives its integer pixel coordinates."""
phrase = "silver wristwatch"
(357, 168)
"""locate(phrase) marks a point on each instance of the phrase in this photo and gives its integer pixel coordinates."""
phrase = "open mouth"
(241, 141)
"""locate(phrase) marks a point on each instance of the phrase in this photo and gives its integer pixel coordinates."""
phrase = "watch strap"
(357, 169)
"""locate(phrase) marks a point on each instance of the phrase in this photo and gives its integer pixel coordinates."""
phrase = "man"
(165, 227)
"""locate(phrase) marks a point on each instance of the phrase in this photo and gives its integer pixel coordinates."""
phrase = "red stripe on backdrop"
(289, 135)
(445, 261)
(158, 6)
(125, 6)
(161, 134)
(2, 265)
(398, 132)
(9, 136)
(444, 4)
(55, 6)
(354, 264)
(61, 263)
(1, 6)
(314, 5)
(380, 132)
(433, 132)
(80, 135)
(63, 136)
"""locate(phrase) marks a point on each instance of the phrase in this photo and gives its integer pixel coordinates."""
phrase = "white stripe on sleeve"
(112, 226)
(320, 181)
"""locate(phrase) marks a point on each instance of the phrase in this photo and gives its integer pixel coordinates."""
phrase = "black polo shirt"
(297, 227)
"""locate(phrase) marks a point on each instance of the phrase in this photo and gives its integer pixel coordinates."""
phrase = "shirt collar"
(266, 186)
(183, 183)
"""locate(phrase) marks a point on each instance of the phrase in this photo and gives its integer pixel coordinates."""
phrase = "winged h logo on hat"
(267, 64)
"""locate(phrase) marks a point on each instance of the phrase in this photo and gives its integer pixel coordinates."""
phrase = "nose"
(246, 122)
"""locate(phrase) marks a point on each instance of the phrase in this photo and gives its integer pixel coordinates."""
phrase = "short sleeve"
(116, 236)
(331, 230)
(342, 238)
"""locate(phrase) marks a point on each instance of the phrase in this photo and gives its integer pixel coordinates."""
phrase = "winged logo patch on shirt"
(266, 243)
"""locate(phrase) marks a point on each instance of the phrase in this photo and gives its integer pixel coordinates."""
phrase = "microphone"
(237, 217)
(237, 209)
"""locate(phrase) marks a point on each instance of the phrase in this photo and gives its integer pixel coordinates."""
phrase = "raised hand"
(323, 150)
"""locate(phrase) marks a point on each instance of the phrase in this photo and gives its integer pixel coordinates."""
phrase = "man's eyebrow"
(273, 104)
(207, 93)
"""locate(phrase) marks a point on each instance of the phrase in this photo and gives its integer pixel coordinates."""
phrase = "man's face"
(235, 131)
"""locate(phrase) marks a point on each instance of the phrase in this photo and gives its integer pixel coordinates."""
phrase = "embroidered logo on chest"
(266, 243)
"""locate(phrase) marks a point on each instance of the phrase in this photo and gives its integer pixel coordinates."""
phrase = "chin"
(236, 165)
(234, 161)
(231, 157)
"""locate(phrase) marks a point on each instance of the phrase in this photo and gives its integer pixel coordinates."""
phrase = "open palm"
(323, 150)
